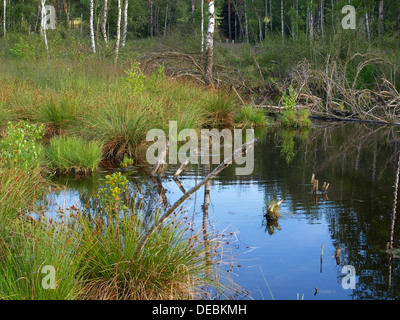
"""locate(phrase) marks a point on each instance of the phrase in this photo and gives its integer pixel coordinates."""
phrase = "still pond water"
(284, 261)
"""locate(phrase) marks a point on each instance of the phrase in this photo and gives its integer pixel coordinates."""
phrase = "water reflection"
(358, 213)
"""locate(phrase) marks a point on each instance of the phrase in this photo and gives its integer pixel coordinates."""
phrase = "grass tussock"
(171, 266)
(74, 154)
(251, 117)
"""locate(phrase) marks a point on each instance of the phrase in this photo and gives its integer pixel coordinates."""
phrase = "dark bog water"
(283, 260)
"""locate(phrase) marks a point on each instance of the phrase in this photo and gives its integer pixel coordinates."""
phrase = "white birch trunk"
(125, 28)
(104, 22)
(44, 24)
(166, 21)
(202, 26)
(4, 16)
(209, 44)
(91, 27)
(380, 23)
(367, 25)
(322, 19)
(118, 32)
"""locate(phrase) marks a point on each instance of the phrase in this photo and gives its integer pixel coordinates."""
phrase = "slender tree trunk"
(125, 29)
(266, 20)
(4, 16)
(367, 25)
(118, 32)
(380, 23)
(398, 19)
(322, 19)
(311, 21)
(270, 12)
(193, 10)
(151, 18)
(297, 18)
(282, 23)
(44, 24)
(104, 22)
(66, 11)
(202, 26)
(246, 24)
(209, 45)
(91, 27)
(229, 21)
(166, 21)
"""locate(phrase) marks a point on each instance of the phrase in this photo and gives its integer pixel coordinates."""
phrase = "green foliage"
(60, 113)
(289, 100)
(294, 119)
(23, 50)
(26, 249)
(127, 162)
(68, 154)
(19, 147)
(110, 195)
(289, 118)
(251, 117)
(122, 128)
(219, 110)
(135, 79)
(287, 150)
(170, 266)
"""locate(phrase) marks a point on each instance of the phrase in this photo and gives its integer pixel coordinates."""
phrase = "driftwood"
(228, 161)
(179, 171)
(160, 164)
(314, 186)
(328, 92)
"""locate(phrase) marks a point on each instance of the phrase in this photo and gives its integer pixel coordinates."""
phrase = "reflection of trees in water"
(361, 163)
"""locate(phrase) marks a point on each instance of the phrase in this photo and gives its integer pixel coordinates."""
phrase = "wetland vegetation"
(77, 101)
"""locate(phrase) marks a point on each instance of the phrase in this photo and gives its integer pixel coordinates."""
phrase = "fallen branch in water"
(227, 161)
(160, 162)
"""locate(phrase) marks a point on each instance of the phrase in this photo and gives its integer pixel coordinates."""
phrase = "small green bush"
(19, 147)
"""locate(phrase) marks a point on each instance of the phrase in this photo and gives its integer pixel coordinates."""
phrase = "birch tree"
(202, 26)
(118, 32)
(104, 22)
(322, 19)
(125, 28)
(43, 15)
(209, 44)
(380, 22)
(4, 17)
(91, 27)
